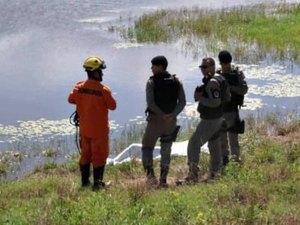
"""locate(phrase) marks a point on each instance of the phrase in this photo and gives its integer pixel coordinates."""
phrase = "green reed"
(267, 28)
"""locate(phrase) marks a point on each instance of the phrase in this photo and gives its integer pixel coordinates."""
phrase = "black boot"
(85, 175)
(98, 178)
(225, 160)
(151, 179)
(163, 177)
(193, 175)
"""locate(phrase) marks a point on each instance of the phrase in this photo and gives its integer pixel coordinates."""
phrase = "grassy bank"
(264, 189)
(274, 28)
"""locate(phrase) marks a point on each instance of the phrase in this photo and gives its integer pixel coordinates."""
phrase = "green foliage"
(8, 159)
(263, 189)
(147, 29)
(46, 166)
(293, 153)
(49, 152)
(3, 168)
(253, 25)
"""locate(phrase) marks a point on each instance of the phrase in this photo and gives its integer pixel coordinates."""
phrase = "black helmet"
(225, 57)
(160, 61)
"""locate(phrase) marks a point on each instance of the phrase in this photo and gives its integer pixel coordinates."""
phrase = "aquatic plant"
(228, 28)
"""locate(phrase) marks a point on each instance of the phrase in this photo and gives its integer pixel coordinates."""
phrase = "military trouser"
(231, 137)
(156, 128)
(207, 130)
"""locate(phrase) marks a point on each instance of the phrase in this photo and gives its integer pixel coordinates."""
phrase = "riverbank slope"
(263, 189)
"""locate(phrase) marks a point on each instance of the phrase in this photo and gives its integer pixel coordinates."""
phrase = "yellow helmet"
(93, 62)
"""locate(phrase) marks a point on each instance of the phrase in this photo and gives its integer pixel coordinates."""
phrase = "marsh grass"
(49, 152)
(8, 160)
(264, 28)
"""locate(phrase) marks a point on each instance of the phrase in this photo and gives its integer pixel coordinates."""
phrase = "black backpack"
(224, 88)
(232, 79)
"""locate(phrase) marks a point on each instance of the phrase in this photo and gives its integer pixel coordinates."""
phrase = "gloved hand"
(198, 93)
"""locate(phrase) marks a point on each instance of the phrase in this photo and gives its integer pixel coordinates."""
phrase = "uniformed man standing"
(210, 97)
(93, 101)
(165, 100)
(238, 88)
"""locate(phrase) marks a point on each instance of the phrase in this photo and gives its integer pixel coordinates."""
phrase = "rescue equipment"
(94, 62)
(74, 120)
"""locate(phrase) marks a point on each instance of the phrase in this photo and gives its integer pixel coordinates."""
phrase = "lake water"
(44, 43)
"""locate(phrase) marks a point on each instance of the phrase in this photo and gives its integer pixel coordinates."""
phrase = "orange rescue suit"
(93, 100)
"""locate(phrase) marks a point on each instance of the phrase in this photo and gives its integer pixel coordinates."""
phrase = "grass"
(269, 28)
(264, 189)
(8, 159)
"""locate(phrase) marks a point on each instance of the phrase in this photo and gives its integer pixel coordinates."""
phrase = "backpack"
(224, 88)
(232, 79)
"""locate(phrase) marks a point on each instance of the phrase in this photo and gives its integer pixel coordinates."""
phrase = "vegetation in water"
(244, 29)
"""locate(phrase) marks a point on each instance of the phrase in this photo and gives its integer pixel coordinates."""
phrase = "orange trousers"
(94, 150)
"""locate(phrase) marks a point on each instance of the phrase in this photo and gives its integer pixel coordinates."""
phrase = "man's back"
(93, 100)
(166, 91)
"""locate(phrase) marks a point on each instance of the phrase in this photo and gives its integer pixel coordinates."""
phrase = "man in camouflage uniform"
(210, 97)
(165, 100)
(238, 88)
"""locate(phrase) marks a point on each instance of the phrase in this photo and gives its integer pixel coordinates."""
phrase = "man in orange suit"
(93, 100)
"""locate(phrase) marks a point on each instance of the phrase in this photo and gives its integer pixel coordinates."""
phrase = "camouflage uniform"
(208, 129)
(238, 88)
(210, 96)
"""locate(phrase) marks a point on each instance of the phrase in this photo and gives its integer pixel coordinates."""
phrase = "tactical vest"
(216, 112)
(236, 100)
(166, 91)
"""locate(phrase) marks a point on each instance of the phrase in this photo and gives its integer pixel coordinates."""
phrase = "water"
(44, 43)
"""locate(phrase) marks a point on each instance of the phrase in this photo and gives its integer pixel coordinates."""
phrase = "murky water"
(43, 45)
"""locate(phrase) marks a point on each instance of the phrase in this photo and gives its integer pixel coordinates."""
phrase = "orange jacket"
(93, 100)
